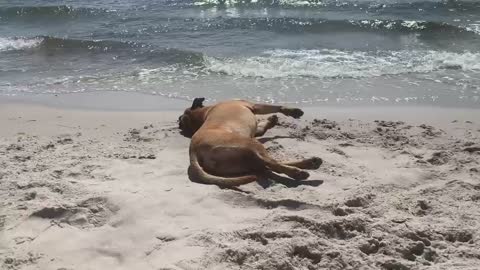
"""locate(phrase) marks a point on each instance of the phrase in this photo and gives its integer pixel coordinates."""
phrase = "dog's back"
(234, 118)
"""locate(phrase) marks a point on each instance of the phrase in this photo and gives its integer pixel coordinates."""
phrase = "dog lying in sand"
(224, 151)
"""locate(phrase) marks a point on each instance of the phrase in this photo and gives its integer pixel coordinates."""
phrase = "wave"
(281, 24)
(129, 50)
(422, 5)
(474, 27)
(289, 25)
(50, 11)
(325, 63)
(299, 25)
(12, 44)
(374, 6)
(379, 5)
(53, 43)
(428, 29)
(341, 64)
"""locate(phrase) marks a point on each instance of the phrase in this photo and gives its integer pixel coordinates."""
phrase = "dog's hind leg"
(276, 166)
(267, 109)
(265, 125)
(306, 164)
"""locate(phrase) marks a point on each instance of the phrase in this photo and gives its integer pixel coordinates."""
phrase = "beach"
(93, 169)
(86, 188)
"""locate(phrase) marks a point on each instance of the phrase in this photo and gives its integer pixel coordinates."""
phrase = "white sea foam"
(474, 27)
(418, 25)
(389, 24)
(9, 44)
(341, 64)
(293, 3)
(300, 3)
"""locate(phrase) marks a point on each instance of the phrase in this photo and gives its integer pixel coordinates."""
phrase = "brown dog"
(223, 150)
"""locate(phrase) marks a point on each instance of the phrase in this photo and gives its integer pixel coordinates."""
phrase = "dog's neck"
(200, 114)
(198, 117)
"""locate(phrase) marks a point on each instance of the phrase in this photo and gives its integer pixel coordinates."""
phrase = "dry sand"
(108, 190)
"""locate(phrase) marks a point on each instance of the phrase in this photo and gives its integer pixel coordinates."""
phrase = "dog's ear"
(197, 103)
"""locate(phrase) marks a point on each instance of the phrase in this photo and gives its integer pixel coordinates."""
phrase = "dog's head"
(192, 119)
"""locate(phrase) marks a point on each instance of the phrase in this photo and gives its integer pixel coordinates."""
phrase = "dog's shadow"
(270, 178)
(267, 139)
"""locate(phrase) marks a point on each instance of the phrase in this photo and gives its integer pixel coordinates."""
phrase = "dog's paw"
(273, 120)
(293, 112)
(300, 175)
(313, 163)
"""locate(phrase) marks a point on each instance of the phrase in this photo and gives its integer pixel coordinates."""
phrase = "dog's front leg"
(267, 109)
(265, 125)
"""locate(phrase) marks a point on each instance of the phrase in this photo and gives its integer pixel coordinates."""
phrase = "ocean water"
(352, 52)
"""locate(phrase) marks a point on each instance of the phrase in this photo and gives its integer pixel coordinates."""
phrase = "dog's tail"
(198, 174)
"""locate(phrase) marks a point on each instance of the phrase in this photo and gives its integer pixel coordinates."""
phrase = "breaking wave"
(374, 5)
(49, 12)
(341, 64)
(141, 52)
(10, 44)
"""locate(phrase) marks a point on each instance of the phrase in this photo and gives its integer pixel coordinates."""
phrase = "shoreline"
(99, 101)
(144, 107)
(134, 101)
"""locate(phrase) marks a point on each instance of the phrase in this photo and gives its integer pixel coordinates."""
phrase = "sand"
(90, 189)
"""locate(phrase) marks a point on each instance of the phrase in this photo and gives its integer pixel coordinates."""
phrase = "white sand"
(108, 190)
